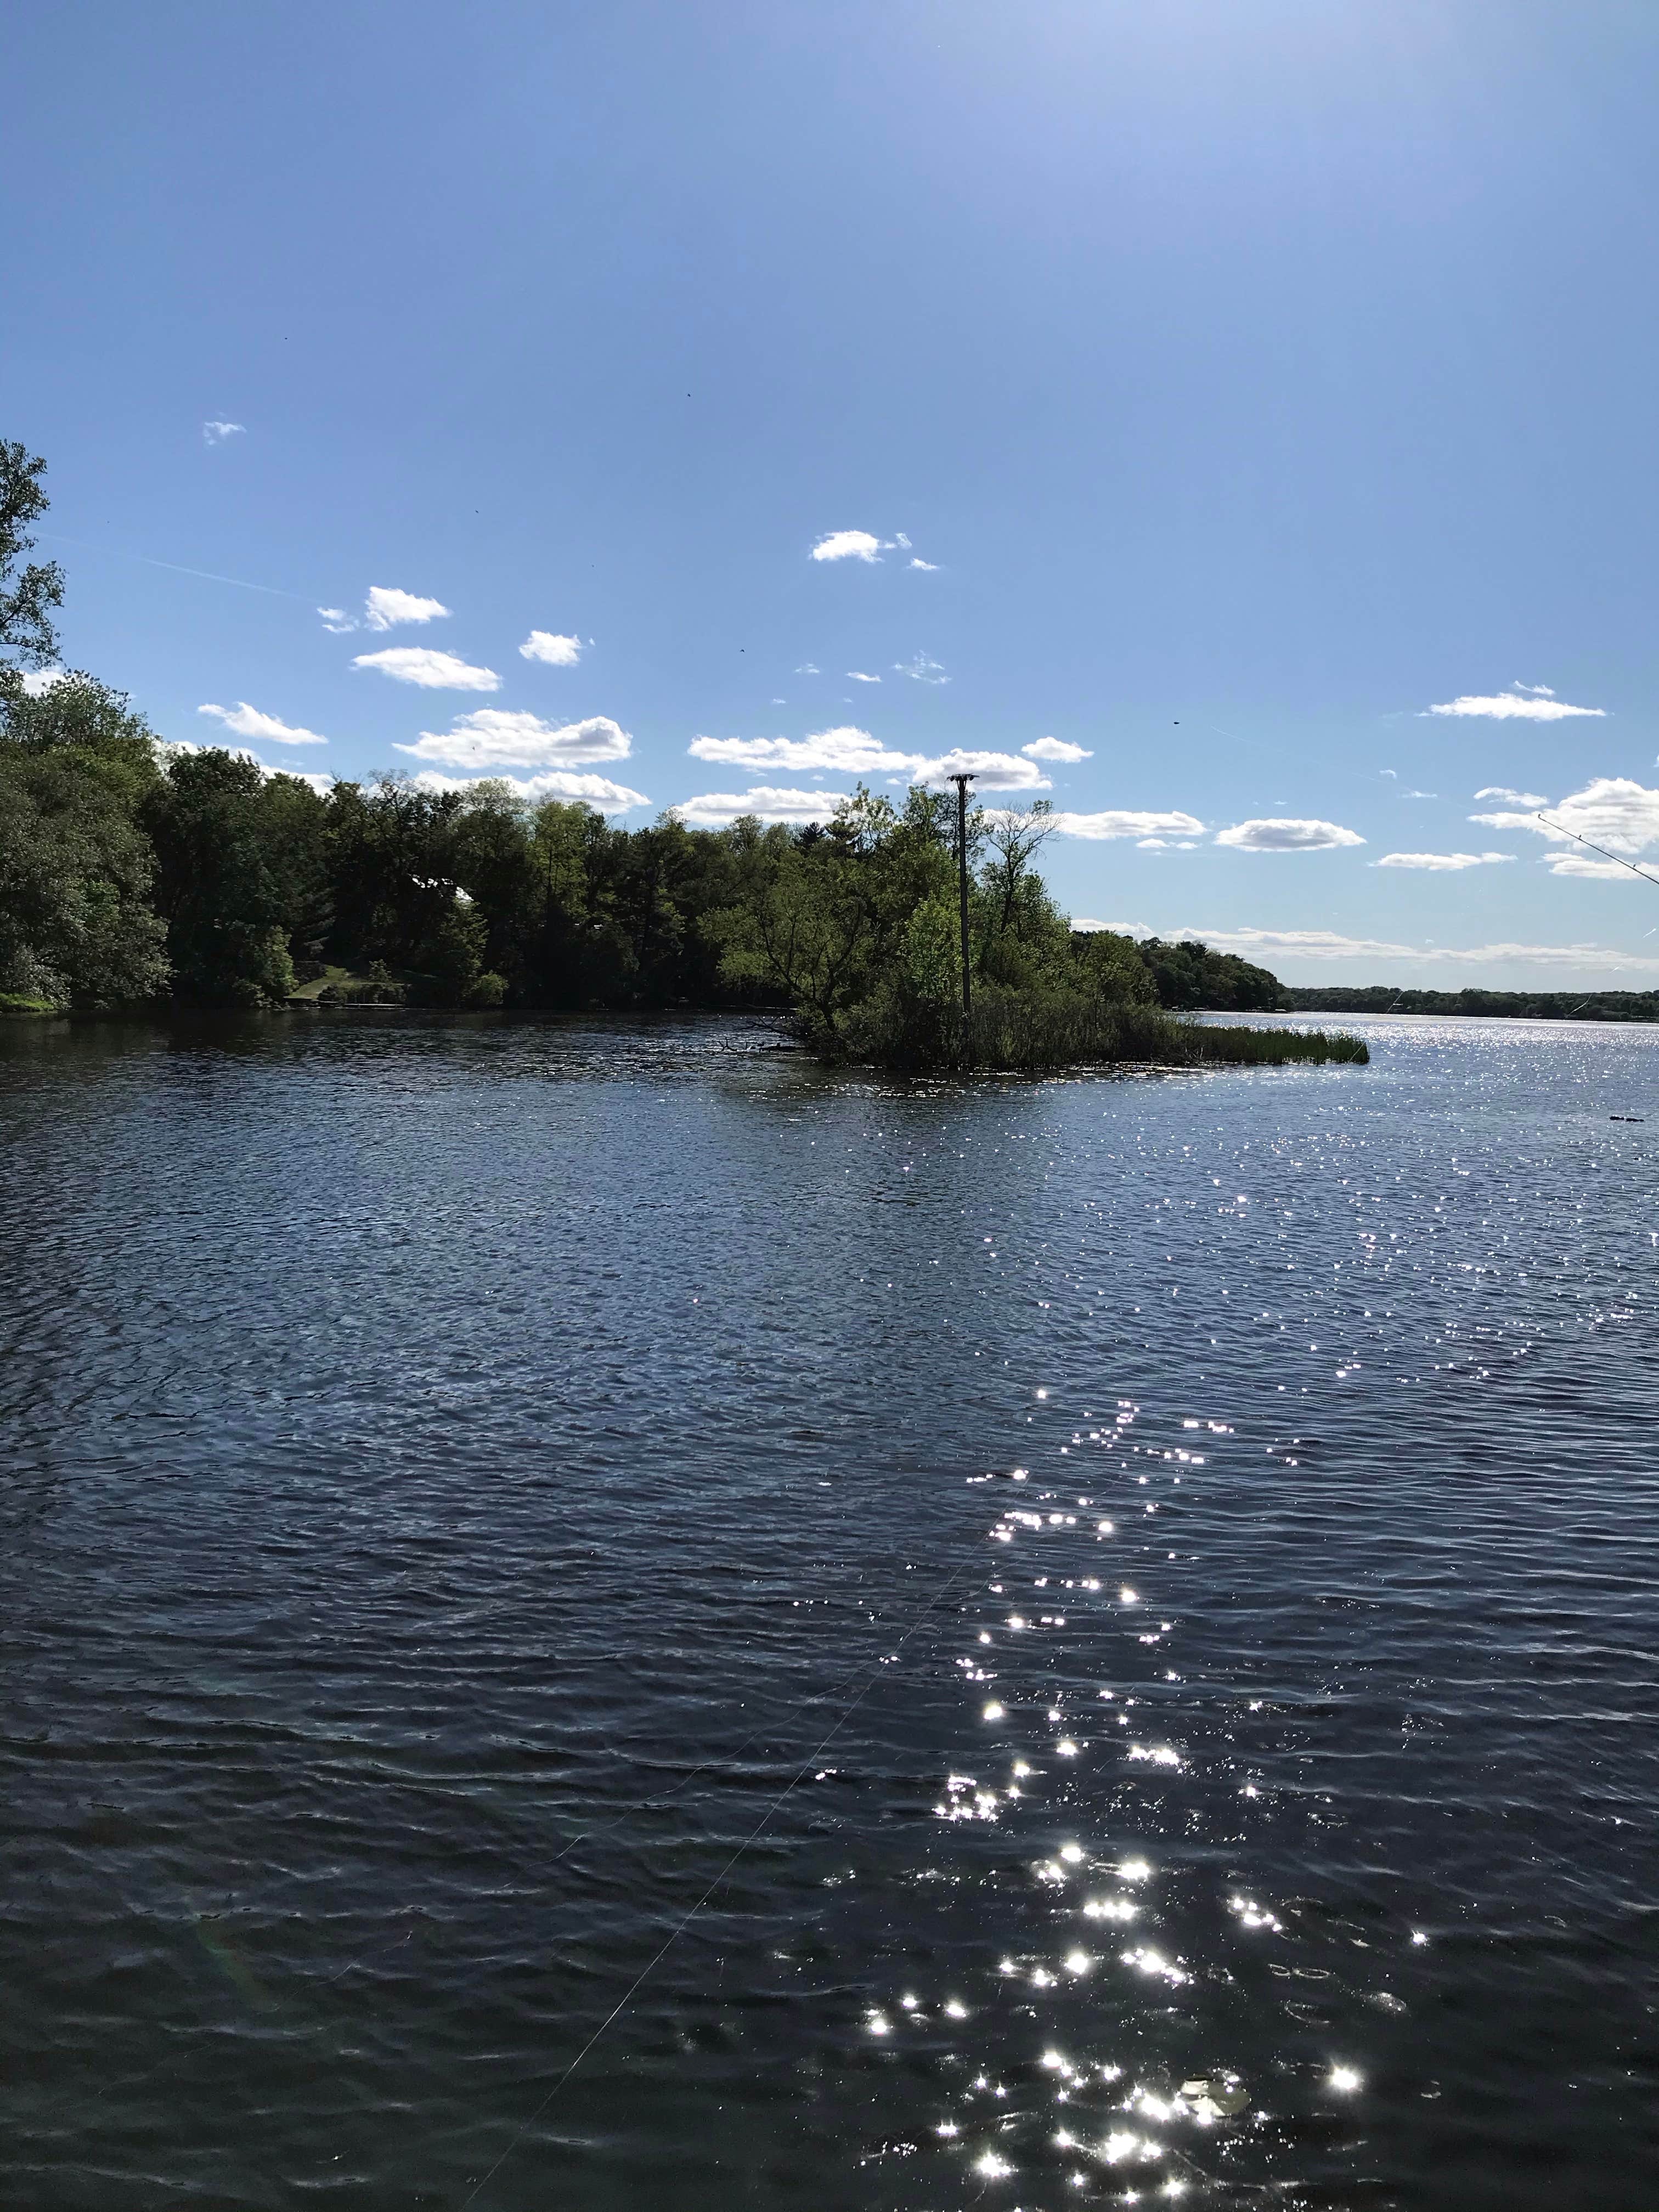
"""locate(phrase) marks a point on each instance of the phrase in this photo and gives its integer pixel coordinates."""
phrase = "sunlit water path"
(1107, 1627)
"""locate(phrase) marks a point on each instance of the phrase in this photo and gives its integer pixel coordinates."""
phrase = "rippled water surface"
(593, 1618)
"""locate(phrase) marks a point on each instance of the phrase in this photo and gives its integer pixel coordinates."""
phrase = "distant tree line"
(1541, 1005)
(136, 872)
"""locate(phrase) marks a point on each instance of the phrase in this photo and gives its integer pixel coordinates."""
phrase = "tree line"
(135, 872)
(1538, 1006)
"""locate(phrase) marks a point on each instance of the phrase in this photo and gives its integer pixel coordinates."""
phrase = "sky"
(1233, 425)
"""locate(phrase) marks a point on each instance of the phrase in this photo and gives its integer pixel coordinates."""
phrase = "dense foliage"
(133, 870)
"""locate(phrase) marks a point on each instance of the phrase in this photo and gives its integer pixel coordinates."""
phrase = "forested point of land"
(1539, 1006)
(138, 872)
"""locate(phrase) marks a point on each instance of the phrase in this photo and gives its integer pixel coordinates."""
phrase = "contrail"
(149, 560)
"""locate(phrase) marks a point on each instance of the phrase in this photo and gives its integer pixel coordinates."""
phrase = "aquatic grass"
(1241, 1046)
(1036, 1030)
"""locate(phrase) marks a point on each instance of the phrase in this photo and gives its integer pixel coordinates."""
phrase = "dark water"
(511, 1554)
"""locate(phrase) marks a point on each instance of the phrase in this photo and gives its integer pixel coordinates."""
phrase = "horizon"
(1232, 430)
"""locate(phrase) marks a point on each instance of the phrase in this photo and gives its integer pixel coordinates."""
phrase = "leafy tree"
(28, 593)
(1110, 966)
(220, 890)
(1189, 975)
(76, 925)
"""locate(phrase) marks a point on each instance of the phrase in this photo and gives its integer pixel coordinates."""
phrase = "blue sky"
(1250, 381)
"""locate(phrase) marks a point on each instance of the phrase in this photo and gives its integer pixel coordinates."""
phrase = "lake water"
(594, 1618)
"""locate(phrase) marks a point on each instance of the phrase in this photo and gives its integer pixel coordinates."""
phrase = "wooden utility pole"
(961, 783)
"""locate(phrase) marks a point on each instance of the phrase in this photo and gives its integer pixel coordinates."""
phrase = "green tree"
(76, 922)
(30, 592)
(221, 897)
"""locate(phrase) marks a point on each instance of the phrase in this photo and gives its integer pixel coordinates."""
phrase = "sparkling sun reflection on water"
(576, 1632)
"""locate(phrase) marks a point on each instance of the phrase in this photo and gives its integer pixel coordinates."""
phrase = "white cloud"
(1055, 749)
(37, 682)
(850, 545)
(385, 607)
(248, 722)
(1525, 703)
(846, 750)
(930, 566)
(1515, 798)
(1578, 863)
(547, 645)
(432, 669)
(1440, 861)
(1285, 834)
(923, 670)
(1538, 690)
(808, 668)
(990, 771)
(1611, 810)
(858, 677)
(215, 434)
(1126, 821)
(337, 620)
(770, 802)
(556, 783)
(493, 737)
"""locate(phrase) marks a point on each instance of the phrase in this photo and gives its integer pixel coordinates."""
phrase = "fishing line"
(1602, 849)
(651, 1965)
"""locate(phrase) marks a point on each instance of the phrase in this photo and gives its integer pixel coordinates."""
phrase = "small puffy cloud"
(857, 675)
(1442, 861)
(1522, 704)
(385, 607)
(1127, 822)
(1055, 749)
(215, 432)
(922, 670)
(771, 802)
(1578, 863)
(432, 669)
(547, 645)
(1286, 834)
(337, 620)
(930, 566)
(248, 722)
(848, 751)
(37, 682)
(990, 771)
(1531, 799)
(1612, 810)
(493, 737)
(844, 751)
(808, 668)
(597, 791)
(850, 545)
